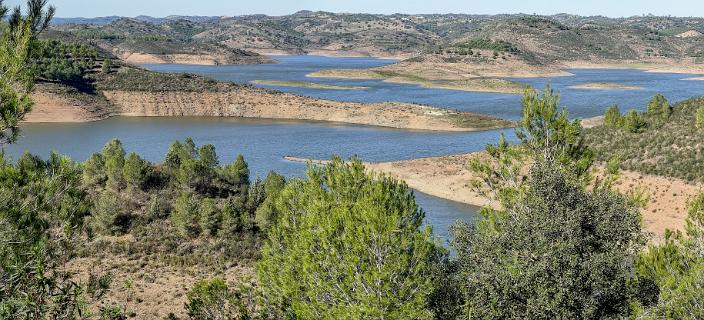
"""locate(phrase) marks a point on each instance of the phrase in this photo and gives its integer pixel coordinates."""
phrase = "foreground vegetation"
(342, 242)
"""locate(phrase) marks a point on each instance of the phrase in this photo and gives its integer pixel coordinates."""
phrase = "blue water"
(264, 143)
(581, 103)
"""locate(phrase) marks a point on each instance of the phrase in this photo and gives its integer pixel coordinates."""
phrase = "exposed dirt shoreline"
(137, 58)
(448, 177)
(249, 102)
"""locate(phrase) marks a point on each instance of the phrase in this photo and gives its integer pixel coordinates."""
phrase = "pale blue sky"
(161, 8)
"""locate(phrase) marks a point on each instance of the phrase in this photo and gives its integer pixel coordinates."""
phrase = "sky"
(162, 8)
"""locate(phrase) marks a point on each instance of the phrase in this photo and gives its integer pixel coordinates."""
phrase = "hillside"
(671, 147)
(535, 39)
(172, 41)
(80, 82)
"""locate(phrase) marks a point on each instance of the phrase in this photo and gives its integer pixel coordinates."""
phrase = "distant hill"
(537, 39)
(169, 41)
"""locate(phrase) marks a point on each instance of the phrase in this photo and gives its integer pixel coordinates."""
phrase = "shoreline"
(250, 102)
(448, 177)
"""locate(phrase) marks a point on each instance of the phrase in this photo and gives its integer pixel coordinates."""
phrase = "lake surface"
(581, 103)
(264, 143)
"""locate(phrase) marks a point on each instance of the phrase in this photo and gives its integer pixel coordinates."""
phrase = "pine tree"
(612, 117)
(185, 216)
(135, 170)
(114, 155)
(237, 173)
(210, 217)
(348, 245)
(208, 156)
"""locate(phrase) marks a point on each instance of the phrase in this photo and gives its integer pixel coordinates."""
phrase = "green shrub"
(110, 215)
(112, 313)
(561, 253)
(209, 300)
(699, 118)
(114, 155)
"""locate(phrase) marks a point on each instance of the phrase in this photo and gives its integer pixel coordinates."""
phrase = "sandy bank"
(55, 103)
(303, 84)
(193, 59)
(605, 86)
(685, 66)
(471, 84)
(267, 104)
(448, 177)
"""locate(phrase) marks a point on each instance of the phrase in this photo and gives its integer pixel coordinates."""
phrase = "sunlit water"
(264, 143)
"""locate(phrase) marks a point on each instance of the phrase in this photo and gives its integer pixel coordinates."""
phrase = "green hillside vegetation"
(135, 36)
(665, 140)
(536, 39)
(188, 196)
(342, 242)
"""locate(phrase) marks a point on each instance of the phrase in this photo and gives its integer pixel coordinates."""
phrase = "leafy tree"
(237, 173)
(612, 117)
(185, 216)
(209, 300)
(562, 254)
(135, 170)
(189, 148)
(659, 107)
(194, 175)
(208, 156)
(348, 245)
(231, 220)
(210, 217)
(553, 249)
(175, 156)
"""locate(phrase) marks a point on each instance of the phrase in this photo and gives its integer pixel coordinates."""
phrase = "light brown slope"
(448, 177)
(257, 103)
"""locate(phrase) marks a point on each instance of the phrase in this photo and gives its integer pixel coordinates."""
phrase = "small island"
(304, 84)
(604, 86)
(493, 85)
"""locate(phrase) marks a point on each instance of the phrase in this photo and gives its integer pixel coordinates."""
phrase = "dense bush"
(552, 249)
(563, 254)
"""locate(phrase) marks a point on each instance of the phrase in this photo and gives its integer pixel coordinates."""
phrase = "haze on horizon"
(162, 8)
